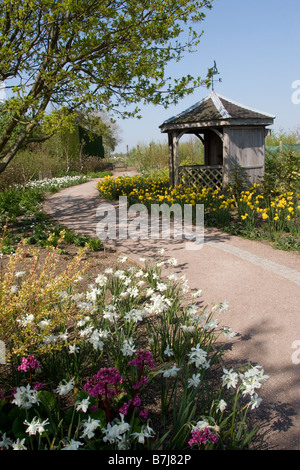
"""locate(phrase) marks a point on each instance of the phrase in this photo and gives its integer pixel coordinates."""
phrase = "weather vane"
(215, 72)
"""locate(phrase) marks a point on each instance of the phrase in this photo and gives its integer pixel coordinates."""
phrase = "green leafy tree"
(58, 57)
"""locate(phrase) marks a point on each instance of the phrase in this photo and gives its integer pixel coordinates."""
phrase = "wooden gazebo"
(233, 137)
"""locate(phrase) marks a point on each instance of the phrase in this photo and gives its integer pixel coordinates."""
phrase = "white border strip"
(275, 268)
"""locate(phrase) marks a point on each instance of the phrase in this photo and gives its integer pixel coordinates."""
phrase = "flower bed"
(251, 212)
(55, 184)
(127, 363)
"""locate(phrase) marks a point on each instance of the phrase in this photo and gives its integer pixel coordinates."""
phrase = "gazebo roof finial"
(215, 72)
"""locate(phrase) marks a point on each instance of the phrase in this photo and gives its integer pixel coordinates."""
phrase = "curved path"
(261, 286)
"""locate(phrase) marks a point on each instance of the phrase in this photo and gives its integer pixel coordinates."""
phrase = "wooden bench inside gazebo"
(233, 137)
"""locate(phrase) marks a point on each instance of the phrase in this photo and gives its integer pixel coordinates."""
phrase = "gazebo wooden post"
(171, 159)
(176, 158)
(226, 159)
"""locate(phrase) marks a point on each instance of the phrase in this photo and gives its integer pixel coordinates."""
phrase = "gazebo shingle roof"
(218, 110)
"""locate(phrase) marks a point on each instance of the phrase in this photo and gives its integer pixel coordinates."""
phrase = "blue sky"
(256, 45)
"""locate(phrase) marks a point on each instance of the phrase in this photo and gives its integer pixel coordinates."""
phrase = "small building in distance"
(233, 136)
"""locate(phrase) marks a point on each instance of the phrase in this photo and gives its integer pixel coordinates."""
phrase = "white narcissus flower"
(120, 274)
(36, 426)
(187, 328)
(168, 351)
(252, 379)
(223, 307)
(139, 273)
(109, 271)
(256, 372)
(128, 348)
(230, 378)
(228, 332)
(194, 381)
(110, 313)
(114, 433)
(101, 279)
(127, 281)
(43, 324)
(89, 427)
(63, 389)
(50, 339)
(123, 295)
(92, 295)
(72, 445)
(146, 432)
(211, 325)
(87, 306)
(96, 341)
(83, 405)
(135, 315)
(149, 292)
(254, 402)
(83, 321)
(197, 293)
(202, 424)
(25, 397)
(199, 357)
(19, 445)
(170, 372)
(73, 349)
(159, 304)
(25, 320)
(63, 336)
(86, 332)
(161, 286)
(172, 277)
(221, 406)
(6, 442)
(19, 273)
(192, 310)
(160, 264)
(133, 291)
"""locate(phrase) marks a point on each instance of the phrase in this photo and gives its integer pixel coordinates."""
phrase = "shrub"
(36, 295)
(282, 172)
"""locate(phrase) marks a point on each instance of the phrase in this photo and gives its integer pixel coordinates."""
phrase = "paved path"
(261, 286)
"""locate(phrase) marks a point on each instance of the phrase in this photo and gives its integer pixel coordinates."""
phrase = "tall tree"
(64, 56)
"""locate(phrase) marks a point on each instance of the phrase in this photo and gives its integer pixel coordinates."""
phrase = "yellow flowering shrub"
(33, 301)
